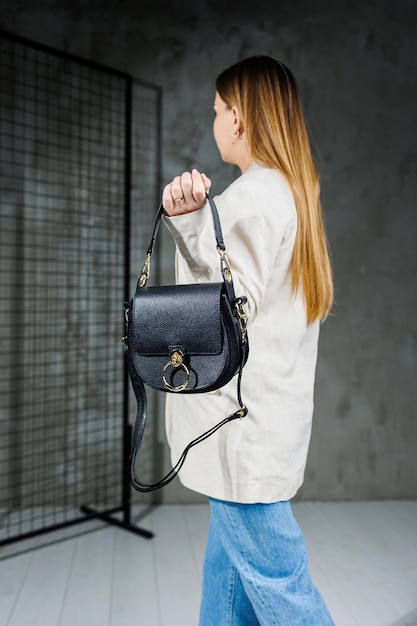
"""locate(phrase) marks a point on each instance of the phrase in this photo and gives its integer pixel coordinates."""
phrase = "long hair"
(266, 95)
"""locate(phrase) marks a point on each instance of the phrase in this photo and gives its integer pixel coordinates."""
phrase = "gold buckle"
(224, 265)
(243, 320)
(146, 269)
(243, 411)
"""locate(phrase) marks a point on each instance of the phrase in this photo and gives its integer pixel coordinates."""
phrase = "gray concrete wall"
(356, 66)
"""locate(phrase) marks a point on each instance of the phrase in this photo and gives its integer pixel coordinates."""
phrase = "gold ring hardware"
(146, 269)
(243, 320)
(176, 360)
(224, 265)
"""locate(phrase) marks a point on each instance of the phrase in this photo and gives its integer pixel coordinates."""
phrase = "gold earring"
(235, 133)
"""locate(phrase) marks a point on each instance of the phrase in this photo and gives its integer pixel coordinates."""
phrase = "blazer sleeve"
(256, 221)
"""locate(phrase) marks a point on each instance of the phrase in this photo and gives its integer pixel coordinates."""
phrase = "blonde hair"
(266, 95)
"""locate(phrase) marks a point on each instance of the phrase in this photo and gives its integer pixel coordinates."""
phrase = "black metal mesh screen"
(63, 201)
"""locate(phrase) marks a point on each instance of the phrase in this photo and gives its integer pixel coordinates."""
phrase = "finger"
(199, 190)
(167, 200)
(207, 182)
(177, 193)
(187, 187)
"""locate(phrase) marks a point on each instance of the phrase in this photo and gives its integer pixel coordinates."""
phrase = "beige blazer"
(261, 458)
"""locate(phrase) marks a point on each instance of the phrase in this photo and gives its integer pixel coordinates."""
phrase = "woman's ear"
(237, 120)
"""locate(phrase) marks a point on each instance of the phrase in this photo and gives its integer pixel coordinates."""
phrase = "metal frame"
(86, 512)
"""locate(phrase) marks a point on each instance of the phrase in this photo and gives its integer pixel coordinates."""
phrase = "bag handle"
(221, 249)
(216, 221)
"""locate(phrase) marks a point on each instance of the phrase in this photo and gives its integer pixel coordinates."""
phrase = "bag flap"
(177, 316)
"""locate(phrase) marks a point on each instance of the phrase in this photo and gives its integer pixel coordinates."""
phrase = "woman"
(255, 570)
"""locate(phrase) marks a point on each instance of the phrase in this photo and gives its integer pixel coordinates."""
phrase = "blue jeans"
(255, 569)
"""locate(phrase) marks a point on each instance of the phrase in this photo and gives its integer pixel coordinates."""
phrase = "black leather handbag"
(184, 339)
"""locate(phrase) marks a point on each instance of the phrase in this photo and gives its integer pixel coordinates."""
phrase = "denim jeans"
(255, 569)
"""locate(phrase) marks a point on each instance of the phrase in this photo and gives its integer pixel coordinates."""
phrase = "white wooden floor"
(363, 558)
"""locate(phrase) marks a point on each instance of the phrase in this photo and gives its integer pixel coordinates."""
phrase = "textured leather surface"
(178, 315)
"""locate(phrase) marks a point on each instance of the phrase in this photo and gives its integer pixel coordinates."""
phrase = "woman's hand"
(186, 193)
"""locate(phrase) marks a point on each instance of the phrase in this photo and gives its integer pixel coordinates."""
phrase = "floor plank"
(41, 597)
(178, 580)
(13, 574)
(88, 594)
(135, 598)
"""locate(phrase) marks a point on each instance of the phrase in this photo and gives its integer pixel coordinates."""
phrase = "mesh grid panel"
(62, 276)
